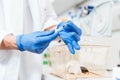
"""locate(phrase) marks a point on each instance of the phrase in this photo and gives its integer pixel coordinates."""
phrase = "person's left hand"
(70, 34)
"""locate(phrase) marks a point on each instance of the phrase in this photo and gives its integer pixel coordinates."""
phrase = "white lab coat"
(18, 17)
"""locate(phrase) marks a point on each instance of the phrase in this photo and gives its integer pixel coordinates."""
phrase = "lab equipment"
(91, 64)
(73, 67)
(61, 9)
(84, 69)
(89, 9)
(94, 57)
(101, 19)
(35, 42)
(70, 34)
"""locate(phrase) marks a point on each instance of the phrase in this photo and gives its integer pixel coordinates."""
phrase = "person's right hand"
(35, 42)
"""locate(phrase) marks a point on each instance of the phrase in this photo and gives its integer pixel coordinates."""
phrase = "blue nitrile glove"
(117, 78)
(35, 42)
(70, 34)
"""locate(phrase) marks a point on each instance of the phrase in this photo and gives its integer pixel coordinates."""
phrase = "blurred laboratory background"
(100, 42)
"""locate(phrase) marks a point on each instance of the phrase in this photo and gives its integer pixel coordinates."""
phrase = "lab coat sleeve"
(51, 17)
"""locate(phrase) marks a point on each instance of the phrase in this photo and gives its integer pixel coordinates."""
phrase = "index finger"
(47, 38)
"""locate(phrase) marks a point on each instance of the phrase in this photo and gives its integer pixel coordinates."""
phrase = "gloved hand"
(70, 34)
(35, 42)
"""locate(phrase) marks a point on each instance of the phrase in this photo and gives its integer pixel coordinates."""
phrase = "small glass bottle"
(46, 63)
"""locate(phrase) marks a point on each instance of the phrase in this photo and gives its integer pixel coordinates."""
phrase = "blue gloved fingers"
(67, 40)
(41, 49)
(75, 36)
(71, 27)
(70, 47)
(75, 45)
(73, 39)
(38, 49)
(70, 39)
(47, 38)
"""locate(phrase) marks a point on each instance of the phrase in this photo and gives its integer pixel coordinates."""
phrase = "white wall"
(114, 52)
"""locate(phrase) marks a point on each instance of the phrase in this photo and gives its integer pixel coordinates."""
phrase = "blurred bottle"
(46, 63)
